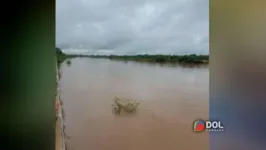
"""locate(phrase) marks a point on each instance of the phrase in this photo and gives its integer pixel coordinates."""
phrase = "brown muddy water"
(171, 98)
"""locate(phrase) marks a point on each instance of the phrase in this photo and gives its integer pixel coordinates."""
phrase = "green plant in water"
(127, 105)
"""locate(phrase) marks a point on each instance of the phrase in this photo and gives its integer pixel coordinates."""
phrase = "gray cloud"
(133, 26)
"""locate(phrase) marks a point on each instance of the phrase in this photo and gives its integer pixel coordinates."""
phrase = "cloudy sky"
(133, 26)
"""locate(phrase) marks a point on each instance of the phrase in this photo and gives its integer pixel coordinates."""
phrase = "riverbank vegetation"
(60, 55)
(185, 59)
(182, 59)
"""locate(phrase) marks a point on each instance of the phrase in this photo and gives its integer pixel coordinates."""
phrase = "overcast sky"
(133, 26)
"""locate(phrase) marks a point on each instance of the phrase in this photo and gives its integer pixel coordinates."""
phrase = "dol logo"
(213, 126)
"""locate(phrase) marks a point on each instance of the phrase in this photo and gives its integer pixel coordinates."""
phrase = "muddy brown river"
(171, 98)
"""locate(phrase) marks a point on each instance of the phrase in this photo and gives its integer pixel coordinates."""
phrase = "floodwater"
(171, 98)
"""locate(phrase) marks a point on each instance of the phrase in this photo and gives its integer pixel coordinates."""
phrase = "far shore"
(159, 58)
(182, 59)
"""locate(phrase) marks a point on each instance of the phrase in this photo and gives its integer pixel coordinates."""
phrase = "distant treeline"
(192, 59)
(186, 59)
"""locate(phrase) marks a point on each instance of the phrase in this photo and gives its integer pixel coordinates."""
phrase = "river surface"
(171, 98)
